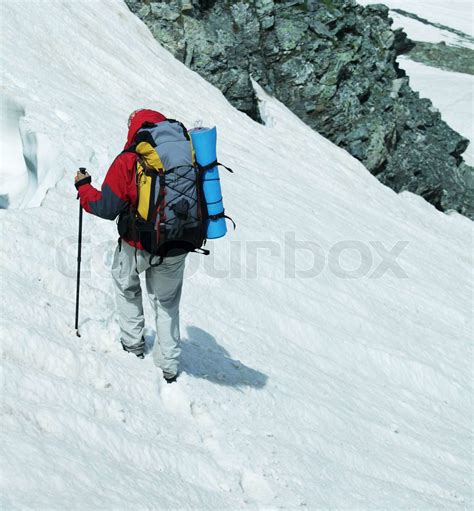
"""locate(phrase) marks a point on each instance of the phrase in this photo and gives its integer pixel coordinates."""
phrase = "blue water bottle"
(204, 142)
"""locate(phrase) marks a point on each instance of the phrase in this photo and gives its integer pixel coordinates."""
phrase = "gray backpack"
(171, 214)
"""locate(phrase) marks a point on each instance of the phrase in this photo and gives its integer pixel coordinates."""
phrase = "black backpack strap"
(222, 215)
(210, 166)
(176, 244)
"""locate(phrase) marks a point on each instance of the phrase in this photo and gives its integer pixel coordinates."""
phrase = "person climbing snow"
(158, 225)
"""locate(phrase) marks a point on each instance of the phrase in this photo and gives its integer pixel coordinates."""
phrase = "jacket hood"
(138, 118)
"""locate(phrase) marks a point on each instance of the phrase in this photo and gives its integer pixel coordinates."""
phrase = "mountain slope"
(345, 386)
(451, 92)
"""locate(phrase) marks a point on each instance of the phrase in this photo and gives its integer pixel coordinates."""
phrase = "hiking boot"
(137, 349)
(170, 378)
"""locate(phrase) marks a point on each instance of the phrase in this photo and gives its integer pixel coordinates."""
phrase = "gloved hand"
(82, 178)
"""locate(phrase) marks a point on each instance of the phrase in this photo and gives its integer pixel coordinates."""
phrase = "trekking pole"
(79, 247)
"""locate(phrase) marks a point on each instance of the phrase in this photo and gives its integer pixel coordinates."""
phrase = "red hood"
(138, 119)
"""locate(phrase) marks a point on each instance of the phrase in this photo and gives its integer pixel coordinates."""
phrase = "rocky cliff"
(333, 63)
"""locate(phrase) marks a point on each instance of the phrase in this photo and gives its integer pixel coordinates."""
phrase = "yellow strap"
(193, 154)
(144, 192)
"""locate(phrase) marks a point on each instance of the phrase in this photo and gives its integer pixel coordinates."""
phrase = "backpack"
(171, 214)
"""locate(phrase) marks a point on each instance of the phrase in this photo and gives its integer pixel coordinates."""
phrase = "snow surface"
(458, 14)
(347, 387)
(419, 31)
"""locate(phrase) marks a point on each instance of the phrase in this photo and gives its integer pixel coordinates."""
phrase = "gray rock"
(361, 133)
(450, 58)
(186, 6)
(268, 22)
(396, 86)
(164, 11)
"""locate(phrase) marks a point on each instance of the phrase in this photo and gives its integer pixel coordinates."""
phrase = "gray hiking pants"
(164, 284)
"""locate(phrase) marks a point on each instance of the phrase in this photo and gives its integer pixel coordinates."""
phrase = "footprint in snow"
(177, 402)
(206, 428)
(256, 487)
(253, 485)
(175, 399)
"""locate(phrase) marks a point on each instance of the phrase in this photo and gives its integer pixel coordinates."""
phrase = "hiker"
(121, 196)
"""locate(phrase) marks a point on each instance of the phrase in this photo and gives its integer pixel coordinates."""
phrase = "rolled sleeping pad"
(204, 142)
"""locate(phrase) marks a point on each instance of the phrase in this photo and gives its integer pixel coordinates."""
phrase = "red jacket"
(119, 190)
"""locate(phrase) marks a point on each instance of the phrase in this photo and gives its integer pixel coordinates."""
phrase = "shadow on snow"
(202, 357)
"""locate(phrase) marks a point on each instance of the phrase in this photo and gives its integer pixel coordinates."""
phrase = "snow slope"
(348, 386)
(420, 31)
(457, 14)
